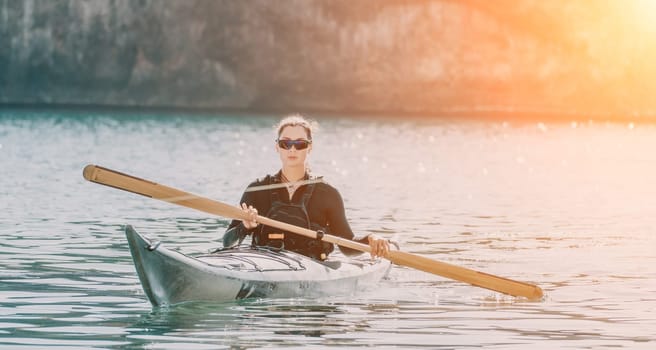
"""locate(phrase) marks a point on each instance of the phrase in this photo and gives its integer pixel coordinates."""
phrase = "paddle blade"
(154, 190)
(476, 278)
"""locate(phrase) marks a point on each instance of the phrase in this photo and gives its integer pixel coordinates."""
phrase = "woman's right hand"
(251, 222)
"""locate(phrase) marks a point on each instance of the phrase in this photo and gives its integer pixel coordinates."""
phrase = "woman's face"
(293, 157)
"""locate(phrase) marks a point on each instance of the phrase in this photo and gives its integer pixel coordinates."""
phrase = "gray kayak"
(169, 277)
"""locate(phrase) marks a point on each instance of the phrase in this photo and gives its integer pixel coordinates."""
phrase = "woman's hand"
(379, 246)
(251, 222)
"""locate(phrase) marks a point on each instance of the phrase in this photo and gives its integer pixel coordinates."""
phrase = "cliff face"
(334, 55)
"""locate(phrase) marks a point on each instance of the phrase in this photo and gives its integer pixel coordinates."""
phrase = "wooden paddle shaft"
(154, 190)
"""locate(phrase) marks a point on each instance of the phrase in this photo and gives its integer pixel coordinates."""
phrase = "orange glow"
(643, 13)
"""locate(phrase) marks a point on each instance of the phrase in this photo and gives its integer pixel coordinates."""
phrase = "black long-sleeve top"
(325, 208)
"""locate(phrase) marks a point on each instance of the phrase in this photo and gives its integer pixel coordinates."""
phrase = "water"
(568, 206)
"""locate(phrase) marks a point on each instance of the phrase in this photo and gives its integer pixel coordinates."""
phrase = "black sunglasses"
(299, 144)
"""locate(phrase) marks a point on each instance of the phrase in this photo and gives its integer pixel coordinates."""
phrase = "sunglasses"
(299, 144)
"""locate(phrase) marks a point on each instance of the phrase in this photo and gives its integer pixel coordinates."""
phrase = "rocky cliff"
(385, 56)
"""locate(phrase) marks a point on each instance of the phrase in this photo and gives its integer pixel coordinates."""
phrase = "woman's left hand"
(379, 246)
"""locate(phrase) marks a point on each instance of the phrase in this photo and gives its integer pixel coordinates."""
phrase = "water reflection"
(245, 322)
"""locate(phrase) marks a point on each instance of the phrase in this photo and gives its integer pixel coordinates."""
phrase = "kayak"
(169, 277)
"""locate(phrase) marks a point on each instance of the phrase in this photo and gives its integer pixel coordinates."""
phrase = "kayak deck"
(170, 277)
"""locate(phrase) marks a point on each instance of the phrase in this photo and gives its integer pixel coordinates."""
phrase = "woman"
(294, 196)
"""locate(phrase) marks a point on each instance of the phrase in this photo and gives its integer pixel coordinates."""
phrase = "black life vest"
(295, 214)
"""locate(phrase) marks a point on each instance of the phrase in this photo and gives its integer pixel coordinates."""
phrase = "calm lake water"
(569, 206)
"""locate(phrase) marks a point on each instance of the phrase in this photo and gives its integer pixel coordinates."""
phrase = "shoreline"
(472, 113)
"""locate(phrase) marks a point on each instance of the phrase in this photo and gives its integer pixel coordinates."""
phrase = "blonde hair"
(297, 120)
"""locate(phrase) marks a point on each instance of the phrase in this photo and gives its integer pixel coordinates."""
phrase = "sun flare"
(642, 15)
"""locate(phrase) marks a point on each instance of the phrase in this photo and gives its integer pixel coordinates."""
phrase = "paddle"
(151, 189)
